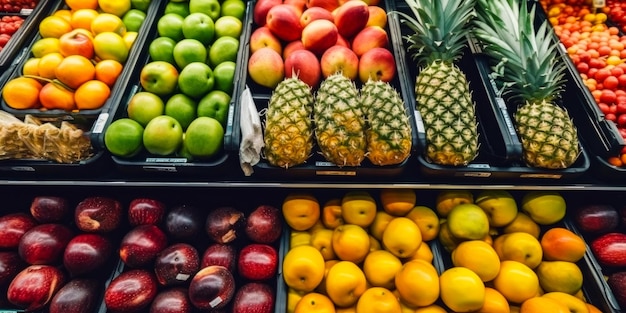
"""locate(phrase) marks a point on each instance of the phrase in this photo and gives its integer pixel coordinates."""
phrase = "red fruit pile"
(599, 52)
(8, 26)
(14, 6)
(617, 13)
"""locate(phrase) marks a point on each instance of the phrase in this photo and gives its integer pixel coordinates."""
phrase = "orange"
(315, 303)
(53, 96)
(75, 70)
(397, 202)
(331, 213)
(107, 71)
(22, 93)
(561, 244)
(417, 283)
(301, 210)
(461, 289)
(54, 26)
(82, 18)
(541, 304)
(479, 257)
(379, 300)
(433, 308)
(592, 308)
(91, 95)
(82, 4)
(526, 282)
(48, 64)
(31, 67)
(345, 283)
(495, 302)
(65, 14)
(358, 207)
(380, 268)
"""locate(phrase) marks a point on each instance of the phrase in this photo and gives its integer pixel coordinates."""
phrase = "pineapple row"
(529, 73)
(347, 124)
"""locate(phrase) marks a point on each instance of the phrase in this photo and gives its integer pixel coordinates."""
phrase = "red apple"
(261, 7)
(173, 300)
(10, 265)
(610, 249)
(77, 42)
(617, 282)
(304, 65)
(315, 13)
(224, 224)
(44, 244)
(131, 291)
(254, 298)
(377, 16)
(220, 254)
(377, 64)
(264, 224)
(33, 288)
(86, 253)
(98, 214)
(596, 218)
(340, 59)
(291, 47)
(183, 222)
(298, 5)
(141, 245)
(49, 209)
(145, 211)
(319, 35)
(77, 296)
(263, 37)
(329, 5)
(257, 262)
(12, 228)
(351, 17)
(284, 22)
(266, 67)
(369, 38)
(176, 264)
(341, 41)
(212, 288)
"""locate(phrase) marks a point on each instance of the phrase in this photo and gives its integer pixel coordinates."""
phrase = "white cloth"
(251, 133)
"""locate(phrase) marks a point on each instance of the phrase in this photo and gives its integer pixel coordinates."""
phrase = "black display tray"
(147, 164)
(317, 166)
(500, 150)
(91, 121)
(11, 53)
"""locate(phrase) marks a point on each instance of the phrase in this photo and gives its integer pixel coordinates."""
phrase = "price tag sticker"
(599, 3)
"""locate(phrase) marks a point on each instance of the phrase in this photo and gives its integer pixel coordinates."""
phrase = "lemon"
(468, 221)
(461, 289)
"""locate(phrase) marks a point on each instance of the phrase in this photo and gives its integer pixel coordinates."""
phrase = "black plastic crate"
(500, 150)
(91, 121)
(316, 165)
(147, 164)
(11, 54)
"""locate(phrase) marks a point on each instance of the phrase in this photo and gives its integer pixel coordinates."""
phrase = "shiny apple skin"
(224, 224)
(254, 297)
(145, 211)
(212, 288)
(10, 265)
(44, 244)
(49, 209)
(131, 291)
(79, 295)
(173, 300)
(140, 245)
(220, 254)
(34, 287)
(176, 264)
(264, 224)
(183, 222)
(12, 228)
(86, 253)
(98, 214)
(257, 262)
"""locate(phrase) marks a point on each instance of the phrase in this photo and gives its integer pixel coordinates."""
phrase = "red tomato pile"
(8, 26)
(617, 13)
(14, 6)
(598, 52)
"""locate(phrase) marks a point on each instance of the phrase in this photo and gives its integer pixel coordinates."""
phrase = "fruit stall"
(293, 156)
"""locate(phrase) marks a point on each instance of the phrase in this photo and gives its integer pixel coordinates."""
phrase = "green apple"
(223, 49)
(133, 19)
(187, 51)
(235, 8)
(199, 26)
(182, 108)
(224, 74)
(210, 7)
(215, 104)
(110, 46)
(124, 137)
(171, 25)
(162, 49)
(142, 5)
(196, 79)
(163, 135)
(204, 137)
(144, 106)
(159, 77)
(180, 8)
(228, 26)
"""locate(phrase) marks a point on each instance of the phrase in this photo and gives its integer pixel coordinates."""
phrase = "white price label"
(599, 3)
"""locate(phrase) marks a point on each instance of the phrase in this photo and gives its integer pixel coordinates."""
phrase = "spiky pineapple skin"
(389, 135)
(340, 121)
(549, 138)
(444, 101)
(288, 133)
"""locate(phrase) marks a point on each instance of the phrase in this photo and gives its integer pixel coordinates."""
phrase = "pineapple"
(288, 131)
(340, 121)
(442, 92)
(389, 132)
(531, 76)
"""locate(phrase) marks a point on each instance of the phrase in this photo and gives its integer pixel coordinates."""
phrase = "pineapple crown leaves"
(526, 61)
(439, 28)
